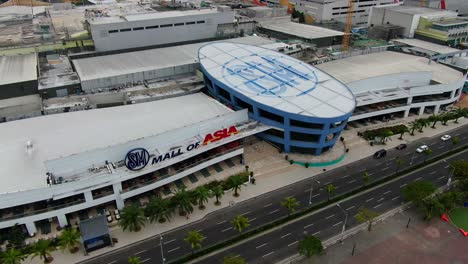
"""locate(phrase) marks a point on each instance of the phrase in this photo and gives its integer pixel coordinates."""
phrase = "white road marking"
(308, 226)
(349, 208)
(268, 205)
(139, 252)
(381, 199)
(330, 216)
(351, 181)
(316, 233)
(295, 242)
(339, 223)
(145, 260)
(224, 230)
(274, 211)
(446, 166)
(418, 179)
(315, 195)
(363, 169)
(392, 159)
(386, 168)
(262, 245)
(222, 222)
(286, 235)
(394, 198)
(250, 220)
(246, 213)
(403, 185)
(387, 192)
(174, 249)
(266, 255)
(370, 199)
(292, 196)
(378, 164)
(441, 147)
(327, 183)
(433, 172)
(377, 205)
(346, 176)
(112, 262)
(370, 174)
(170, 241)
(440, 178)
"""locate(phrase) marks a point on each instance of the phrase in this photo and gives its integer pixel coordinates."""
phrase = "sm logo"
(137, 159)
(220, 134)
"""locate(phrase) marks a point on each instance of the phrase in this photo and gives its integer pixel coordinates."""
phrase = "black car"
(401, 146)
(380, 154)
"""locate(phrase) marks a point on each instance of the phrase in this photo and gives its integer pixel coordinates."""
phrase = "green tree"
(183, 201)
(194, 239)
(427, 152)
(423, 122)
(459, 113)
(310, 246)
(434, 119)
(218, 192)
(43, 248)
(399, 163)
(16, 235)
(385, 135)
(431, 206)
(460, 169)
(451, 200)
(402, 130)
(330, 190)
(132, 218)
(366, 178)
(231, 259)
(236, 182)
(159, 209)
(365, 215)
(12, 256)
(201, 195)
(445, 117)
(69, 240)
(417, 191)
(456, 140)
(290, 203)
(413, 126)
(134, 260)
(240, 223)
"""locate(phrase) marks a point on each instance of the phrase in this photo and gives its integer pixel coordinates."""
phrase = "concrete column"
(437, 109)
(287, 135)
(88, 196)
(452, 94)
(118, 199)
(62, 219)
(31, 227)
(421, 111)
(406, 113)
(410, 100)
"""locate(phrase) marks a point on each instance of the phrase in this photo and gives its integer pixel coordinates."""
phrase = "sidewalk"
(390, 242)
(268, 178)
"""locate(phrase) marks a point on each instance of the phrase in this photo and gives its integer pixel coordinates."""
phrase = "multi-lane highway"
(216, 226)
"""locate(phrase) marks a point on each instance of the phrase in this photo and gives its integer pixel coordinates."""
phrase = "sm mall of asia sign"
(137, 158)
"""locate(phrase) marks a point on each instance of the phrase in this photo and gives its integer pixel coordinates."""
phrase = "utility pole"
(311, 188)
(344, 224)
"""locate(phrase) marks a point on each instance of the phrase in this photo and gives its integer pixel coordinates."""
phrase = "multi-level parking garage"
(307, 107)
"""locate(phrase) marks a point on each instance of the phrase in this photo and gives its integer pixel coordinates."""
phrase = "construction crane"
(348, 25)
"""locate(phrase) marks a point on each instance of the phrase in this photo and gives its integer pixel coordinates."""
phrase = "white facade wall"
(382, 16)
(337, 10)
(105, 40)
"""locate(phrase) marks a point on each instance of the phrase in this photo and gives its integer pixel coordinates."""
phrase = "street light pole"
(449, 181)
(344, 224)
(311, 188)
(161, 244)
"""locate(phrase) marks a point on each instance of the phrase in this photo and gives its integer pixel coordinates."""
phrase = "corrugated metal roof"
(18, 68)
(301, 30)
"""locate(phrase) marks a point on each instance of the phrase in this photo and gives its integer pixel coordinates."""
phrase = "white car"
(422, 148)
(445, 137)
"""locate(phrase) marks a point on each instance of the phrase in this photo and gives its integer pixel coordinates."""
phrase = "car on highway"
(422, 148)
(401, 146)
(445, 137)
(380, 154)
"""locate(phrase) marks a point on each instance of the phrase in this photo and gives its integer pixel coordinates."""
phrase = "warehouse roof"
(362, 67)
(416, 10)
(18, 68)
(302, 30)
(61, 135)
(276, 80)
(421, 44)
(146, 60)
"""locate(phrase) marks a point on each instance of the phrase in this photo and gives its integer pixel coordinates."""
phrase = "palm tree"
(69, 239)
(445, 117)
(240, 223)
(12, 256)
(132, 218)
(330, 190)
(434, 119)
(413, 126)
(423, 122)
(134, 260)
(458, 113)
(236, 182)
(366, 215)
(291, 204)
(43, 248)
(231, 259)
(218, 192)
(158, 209)
(402, 130)
(183, 200)
(399, 162)
(427, 153)
(194, 239)
(201, 195)
(366, 178)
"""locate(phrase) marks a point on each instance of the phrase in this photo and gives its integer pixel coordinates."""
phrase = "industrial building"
(391, 85)
(433, 25)
(459, 6)
(62, 167)
(156, 28)
(18, 75)
(307, 107)
(324, 10)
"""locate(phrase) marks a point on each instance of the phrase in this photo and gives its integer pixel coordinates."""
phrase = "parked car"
(422, 148)
(401, 146)
(445, 137)
(380, 154)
